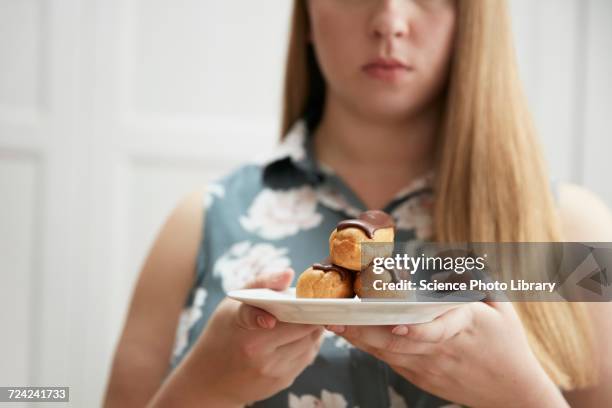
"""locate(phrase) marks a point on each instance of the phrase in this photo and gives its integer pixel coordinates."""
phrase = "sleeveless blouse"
(278, 213)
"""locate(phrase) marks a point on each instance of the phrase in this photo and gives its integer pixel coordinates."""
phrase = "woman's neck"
(364, 151)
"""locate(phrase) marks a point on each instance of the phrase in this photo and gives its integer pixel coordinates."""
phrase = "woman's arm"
(600, 395)
(143, 353)
(585, 218)
(478, 354)
(242, 355)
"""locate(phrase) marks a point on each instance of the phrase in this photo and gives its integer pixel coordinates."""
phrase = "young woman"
(414, 107)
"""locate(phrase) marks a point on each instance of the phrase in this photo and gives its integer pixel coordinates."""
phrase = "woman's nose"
(390, 19)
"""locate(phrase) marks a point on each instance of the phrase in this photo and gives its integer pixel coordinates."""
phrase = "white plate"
(287, 308)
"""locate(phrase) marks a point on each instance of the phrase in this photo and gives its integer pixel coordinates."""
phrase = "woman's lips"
(389, 70)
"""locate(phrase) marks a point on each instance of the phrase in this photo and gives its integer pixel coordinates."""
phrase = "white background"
(110, 110)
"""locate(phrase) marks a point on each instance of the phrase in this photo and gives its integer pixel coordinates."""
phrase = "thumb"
(275, 281)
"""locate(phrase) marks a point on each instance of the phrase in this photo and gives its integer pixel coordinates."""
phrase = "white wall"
(564, 54)
(110, 110)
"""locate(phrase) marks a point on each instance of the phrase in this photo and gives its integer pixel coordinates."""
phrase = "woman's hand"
(248, 355)
(475, 355)
(244, 354)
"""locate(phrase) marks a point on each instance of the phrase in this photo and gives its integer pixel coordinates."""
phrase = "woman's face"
(383, 58)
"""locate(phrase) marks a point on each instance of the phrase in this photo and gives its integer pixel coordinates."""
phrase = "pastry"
(376, 229)
(325, 281)
(367, 282)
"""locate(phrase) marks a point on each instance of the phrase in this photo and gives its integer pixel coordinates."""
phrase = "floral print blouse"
(279, 212)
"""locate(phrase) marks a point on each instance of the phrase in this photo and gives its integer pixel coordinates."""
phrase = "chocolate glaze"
(369, 222)
(393, 273)
(329, 267)
(394, 276)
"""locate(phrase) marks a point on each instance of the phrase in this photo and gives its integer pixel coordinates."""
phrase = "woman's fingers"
(380, 337)
(273, 334)
(297, 347)
(398, 359)
(269, 341)
(249, 317)
(291, 358)
(440, 329)
(286, 333)
(252, 318)
(308, 355)
(417, 339)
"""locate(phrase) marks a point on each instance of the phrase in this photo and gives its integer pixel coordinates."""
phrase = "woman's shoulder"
(233, 190)
(189, 213)
(244, 176)
(584, 215)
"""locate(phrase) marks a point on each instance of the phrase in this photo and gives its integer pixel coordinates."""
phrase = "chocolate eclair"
(325, 280)
(371, 285)
(373, 231)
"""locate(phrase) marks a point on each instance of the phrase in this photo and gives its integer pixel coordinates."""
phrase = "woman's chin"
(387, 111)
(385, 105)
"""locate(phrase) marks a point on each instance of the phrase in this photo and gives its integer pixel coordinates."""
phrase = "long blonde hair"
(491, 182)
